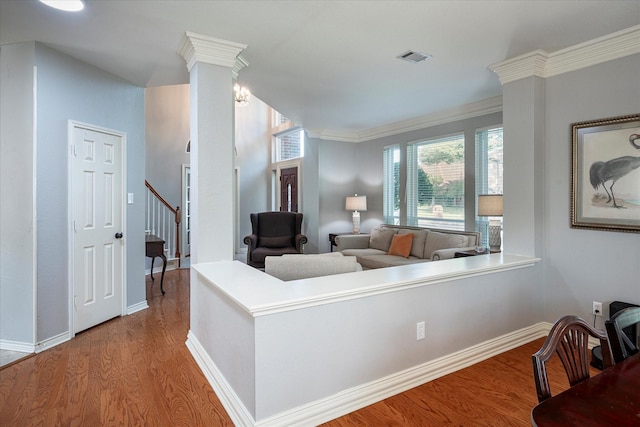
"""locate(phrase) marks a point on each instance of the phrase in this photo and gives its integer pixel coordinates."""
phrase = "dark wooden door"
(289, 189)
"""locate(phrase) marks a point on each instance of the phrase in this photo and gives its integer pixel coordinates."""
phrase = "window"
(489, 171)
(391, 185)
(278, 119)
(288, 139)
(435, 183)
(289, 145)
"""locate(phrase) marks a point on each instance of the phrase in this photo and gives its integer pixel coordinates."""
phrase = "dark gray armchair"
(274, 234)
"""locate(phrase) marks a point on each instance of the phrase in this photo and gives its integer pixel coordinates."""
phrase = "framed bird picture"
(605, 174)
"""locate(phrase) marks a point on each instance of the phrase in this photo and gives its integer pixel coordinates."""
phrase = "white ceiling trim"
(475, 109)
(210, 50)
(542, 64)
(240, 63)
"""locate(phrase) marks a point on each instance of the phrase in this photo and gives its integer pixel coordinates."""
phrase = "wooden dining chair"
(569, 339)
(623, 334)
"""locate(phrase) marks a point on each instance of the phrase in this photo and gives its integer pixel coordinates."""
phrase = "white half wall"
(288, 344)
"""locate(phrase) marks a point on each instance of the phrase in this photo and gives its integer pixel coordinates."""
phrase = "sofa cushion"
(275, 242)
(437, 241)
(259, 254)
(384, 260)
(381, 238)
(419, 239)
(359, 253)
(401, 245)
(297, 266)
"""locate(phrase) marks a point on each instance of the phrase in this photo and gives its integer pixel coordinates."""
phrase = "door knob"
(118, 235)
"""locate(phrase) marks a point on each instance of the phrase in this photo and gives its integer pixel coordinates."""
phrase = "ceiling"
(328, 65)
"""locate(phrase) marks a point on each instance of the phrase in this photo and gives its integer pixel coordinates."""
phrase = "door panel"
(97, 178)
(289, 189)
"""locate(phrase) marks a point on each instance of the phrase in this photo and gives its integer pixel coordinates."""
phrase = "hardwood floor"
(136, 370)
(133, 370)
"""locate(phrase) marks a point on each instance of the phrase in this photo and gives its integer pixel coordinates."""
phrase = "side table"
(154, 246)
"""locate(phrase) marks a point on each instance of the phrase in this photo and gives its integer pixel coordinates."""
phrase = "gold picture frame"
(605, 174)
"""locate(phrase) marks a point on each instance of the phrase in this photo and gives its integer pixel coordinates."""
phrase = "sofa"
(293, 267)
(394, 245)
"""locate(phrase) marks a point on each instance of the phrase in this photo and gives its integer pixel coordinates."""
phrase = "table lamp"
(356, 203)
(490, 205)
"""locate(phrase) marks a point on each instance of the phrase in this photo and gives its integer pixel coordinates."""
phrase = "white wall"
(67, 89)
(167, 132)
(253, 161)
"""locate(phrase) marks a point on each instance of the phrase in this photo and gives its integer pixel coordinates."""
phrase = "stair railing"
(160, 220)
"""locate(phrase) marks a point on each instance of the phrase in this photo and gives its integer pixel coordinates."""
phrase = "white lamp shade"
(490, 205)
(356, 203)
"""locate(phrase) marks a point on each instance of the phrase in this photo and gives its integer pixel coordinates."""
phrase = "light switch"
(130, 198)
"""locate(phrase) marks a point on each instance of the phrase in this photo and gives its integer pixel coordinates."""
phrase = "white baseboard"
(137, 307)
(172, 264)
(22, 347)
(229, 399)
(358, 397)
(53, 341)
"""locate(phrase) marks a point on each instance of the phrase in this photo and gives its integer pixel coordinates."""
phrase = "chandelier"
(241, 95)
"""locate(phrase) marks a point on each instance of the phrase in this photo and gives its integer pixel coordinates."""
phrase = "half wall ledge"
(260, 294)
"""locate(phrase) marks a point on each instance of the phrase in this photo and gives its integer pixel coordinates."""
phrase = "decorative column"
(523, 118)
(212, 64)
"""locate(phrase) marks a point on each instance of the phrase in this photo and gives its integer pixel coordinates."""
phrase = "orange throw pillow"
(401, 245)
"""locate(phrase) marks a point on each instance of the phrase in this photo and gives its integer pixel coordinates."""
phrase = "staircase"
(163, 221)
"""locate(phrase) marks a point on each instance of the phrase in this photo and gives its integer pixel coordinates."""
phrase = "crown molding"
(210, 50)
(474, 109)
(331, 135)
(238, 65)
(543, 64)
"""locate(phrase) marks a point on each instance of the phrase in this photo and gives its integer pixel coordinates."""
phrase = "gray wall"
(338, 177)
(346, 168)
(582, 266)
(166, 135)
(71, 90)
(17, 184)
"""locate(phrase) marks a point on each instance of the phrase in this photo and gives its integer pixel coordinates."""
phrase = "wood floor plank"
(137, 370)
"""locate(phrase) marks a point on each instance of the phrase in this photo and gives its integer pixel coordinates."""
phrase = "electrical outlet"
(597, 308)
(420, 331)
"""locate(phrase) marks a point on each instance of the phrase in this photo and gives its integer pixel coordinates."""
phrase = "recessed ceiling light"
(413, 56)
(66, 5)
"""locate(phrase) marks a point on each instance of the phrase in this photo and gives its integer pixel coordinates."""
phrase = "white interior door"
(98, 244)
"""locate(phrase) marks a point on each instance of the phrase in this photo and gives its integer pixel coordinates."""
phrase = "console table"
(154, 246)
(462, 254)
(332, 239)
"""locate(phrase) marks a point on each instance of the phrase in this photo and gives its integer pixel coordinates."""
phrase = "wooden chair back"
(569, 339)
(622, 346)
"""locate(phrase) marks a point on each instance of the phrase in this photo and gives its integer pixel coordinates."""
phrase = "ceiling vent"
(413, 56)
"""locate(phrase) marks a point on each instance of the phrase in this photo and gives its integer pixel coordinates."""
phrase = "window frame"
(412, 183)
(483, 173)
(389, 183)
